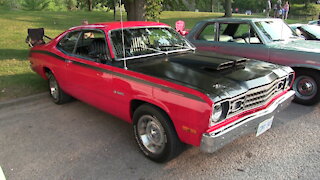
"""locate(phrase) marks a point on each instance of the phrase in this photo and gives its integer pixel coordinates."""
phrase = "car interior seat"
(98, 49)
(252, 39)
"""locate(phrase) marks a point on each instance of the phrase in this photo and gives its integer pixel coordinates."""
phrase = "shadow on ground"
(14, 54)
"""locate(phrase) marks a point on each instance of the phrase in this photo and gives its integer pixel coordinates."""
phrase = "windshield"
(147, 41)
(275, 30)
(312, 29)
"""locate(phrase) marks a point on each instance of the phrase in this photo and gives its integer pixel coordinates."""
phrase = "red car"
(147, 74)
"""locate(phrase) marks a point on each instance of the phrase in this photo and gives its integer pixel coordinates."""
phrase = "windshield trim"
(153, 54)
(313, 30)
(191, 47)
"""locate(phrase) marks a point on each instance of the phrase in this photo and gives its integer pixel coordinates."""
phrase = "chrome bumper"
(215, 140)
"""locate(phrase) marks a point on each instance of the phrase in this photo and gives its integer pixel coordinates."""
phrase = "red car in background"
(147, 74)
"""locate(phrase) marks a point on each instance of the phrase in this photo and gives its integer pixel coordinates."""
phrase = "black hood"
(216, 75)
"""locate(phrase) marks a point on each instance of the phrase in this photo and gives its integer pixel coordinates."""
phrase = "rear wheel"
(307, 87)
(155, 134)
(58, 96)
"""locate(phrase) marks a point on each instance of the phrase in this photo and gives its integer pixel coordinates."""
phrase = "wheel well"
(46, 70)
(136, 103)
(304, 69)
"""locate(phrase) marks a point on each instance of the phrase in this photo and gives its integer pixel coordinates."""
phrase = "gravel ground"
(41, 140)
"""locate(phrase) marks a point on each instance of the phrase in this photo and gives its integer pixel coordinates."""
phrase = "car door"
(88, 72)
(237, 39)
(66, 46)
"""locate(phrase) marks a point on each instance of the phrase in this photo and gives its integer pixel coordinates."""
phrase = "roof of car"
(239, 19)
(117, 25)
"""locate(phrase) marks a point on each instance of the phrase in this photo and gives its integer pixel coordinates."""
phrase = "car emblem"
(218, 86)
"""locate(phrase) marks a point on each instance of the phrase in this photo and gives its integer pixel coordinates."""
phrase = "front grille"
(256, 97)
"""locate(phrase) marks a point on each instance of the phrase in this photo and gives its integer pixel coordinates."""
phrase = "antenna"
(123, 49)
(282, 29)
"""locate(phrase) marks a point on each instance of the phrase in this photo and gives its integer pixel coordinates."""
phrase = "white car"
(314, 22)
(248, 12)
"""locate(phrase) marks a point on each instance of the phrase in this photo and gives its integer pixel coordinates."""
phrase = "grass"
(16, 78)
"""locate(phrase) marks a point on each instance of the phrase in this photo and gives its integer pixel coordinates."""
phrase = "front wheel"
(155, 134)
(307, 87)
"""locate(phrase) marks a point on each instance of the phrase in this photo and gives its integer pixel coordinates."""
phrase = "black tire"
(57, 95)
(307, 87)
(163, 139)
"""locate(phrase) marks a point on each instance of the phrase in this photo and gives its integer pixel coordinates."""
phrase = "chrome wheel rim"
(151, 134)
(54, 89)
(305, 87)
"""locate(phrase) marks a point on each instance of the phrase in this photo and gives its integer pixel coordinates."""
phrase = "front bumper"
(215, 140)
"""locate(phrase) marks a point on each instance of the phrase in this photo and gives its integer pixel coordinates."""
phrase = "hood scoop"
(210, 62)
(225, 65)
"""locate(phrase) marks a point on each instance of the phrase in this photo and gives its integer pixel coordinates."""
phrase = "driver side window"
(86, 44)
(92, 45)
(69, 41)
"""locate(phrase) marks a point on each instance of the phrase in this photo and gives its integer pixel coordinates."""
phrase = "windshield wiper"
(156, 50)
(187, 47)
(274, 40)
(178, 45)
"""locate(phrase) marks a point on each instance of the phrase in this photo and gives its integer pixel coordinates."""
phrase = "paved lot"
(41, 140)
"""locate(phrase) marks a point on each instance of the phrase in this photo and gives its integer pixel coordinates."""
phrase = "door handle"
(68, 61)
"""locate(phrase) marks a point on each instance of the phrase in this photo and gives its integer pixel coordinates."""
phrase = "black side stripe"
(49, 54)
(187, 95)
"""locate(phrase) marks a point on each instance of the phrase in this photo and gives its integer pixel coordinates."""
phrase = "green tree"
(176, 5)
(11, 3)
(203, 5)
(71, 4)
(227, 8)
(153, 9)
(136, 9)
(254, 5)
(90, 5)
(35, 5)
(56, 5)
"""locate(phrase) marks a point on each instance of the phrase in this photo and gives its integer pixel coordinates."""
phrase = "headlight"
(219, 112)
(216, 113)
